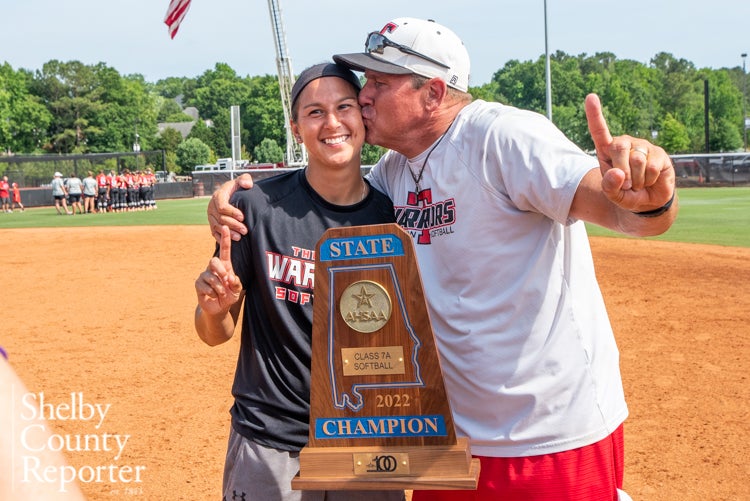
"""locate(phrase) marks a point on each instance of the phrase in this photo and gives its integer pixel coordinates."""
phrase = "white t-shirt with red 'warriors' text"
(526, 347)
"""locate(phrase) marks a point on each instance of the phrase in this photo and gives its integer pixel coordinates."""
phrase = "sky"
(130, 36)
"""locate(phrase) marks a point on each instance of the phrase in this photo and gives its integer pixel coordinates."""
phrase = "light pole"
(548, 77)
(744, 99)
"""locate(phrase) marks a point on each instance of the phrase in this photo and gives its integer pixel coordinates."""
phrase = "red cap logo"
(388, 28)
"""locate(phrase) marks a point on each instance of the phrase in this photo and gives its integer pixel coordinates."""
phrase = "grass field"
(719, 216)
(179, 211)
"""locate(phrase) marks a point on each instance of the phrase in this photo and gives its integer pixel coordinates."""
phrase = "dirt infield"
(104, 316)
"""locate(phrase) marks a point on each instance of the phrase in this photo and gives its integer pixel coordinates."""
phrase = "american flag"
(175, 13)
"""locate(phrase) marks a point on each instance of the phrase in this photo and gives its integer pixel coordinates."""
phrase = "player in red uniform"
(16, 198)
(102, 199)
(5, 194)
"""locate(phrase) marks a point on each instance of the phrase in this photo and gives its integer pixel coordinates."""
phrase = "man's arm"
(633, 191)
(221, 213)
(592, 205)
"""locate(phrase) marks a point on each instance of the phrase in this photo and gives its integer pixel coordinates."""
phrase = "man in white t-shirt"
(496, 198)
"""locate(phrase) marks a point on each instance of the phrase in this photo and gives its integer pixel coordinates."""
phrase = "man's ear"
(435, 92)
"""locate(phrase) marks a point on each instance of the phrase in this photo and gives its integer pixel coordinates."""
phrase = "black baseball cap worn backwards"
(319, 71)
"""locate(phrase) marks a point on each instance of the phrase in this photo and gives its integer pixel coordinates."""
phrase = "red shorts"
(590, 473)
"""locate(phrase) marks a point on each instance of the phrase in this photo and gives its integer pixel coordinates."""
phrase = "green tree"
(568, 93)
(129, 109)
(673, 137)
(190, 153)
(635, 103)
(681, 95)
(72, 95)
(23, 119)
(170, 111)
(205, 133)
(371, 154)
(94, 108)
(486, 92)
(725, 107)
(214, 93)
(263, 116)
(268, 151)
(171, 87)
(678, 78)
(571, 120)
(71, 107)
(169, 140)
(522, 84)
(568, 81)
(725, 135)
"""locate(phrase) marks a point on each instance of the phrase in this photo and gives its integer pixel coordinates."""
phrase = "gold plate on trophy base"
(425, 468)
(372, 464)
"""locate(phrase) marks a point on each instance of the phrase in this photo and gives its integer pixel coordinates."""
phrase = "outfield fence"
(725, 169)
(37, 171)
(33, 173)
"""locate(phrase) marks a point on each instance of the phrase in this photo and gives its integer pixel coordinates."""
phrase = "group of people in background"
(124, 192)
(10, 196)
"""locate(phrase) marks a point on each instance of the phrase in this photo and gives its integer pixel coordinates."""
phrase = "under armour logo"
(235, 496)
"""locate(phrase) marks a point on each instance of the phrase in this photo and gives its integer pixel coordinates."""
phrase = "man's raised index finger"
(597, 124)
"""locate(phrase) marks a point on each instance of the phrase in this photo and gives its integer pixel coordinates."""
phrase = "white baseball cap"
(57, 174)
(414, 46)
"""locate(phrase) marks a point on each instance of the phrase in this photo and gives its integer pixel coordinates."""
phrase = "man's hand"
(221, 213)
(218, 288)
(636, 175)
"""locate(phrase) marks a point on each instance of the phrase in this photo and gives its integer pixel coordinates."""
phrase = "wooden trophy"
(379, 415)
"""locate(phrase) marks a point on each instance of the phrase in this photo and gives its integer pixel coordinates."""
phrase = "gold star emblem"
(363, 298)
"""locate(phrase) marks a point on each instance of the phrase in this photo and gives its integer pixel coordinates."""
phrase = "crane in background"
(296, 155)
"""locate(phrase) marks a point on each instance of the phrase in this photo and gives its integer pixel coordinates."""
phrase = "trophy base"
(440, 467)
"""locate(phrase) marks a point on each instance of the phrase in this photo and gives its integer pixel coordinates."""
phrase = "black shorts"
(74, 198)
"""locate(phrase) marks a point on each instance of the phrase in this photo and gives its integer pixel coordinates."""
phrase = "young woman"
(286, 216)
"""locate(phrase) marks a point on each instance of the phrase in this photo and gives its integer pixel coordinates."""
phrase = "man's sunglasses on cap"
(376, 42)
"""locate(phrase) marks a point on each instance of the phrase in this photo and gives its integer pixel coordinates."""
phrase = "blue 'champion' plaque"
(380, 427)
